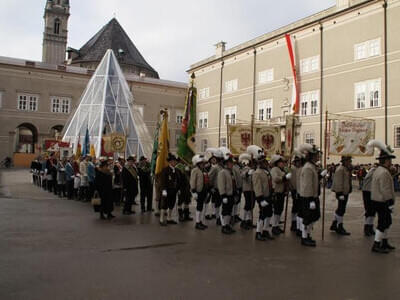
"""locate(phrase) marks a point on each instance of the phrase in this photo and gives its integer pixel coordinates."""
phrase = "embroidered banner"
(239, 138)
(268, 138)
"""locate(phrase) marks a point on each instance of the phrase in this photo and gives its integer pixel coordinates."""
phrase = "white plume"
(379, 145)
(226, 153)
(215, 152)
(255, 151)
(244, 157)
(297, 153)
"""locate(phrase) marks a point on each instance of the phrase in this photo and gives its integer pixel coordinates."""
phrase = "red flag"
(295, 98)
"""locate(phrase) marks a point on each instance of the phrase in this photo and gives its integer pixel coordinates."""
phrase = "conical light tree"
(106, 107)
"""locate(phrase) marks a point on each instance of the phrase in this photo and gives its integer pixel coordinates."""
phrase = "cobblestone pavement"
(53, 248)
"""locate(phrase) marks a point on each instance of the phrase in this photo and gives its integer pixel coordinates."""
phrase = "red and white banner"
(295, 95)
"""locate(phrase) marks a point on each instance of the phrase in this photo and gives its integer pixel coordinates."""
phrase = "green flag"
(187, 142)
(155, 149)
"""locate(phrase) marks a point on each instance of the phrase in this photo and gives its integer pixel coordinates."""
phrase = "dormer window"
(57, 24)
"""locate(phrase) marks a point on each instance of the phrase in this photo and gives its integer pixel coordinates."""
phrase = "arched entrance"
(26, 137)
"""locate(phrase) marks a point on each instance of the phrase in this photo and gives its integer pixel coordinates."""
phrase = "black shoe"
(110, 216)
(367, 230)
(163, 223)
(259, 237)
(251, 225)
(386, 245)
(293, 227)
(186, 214)
(199, 226)
(172, 222)
(267, 236)
(341, 231)
(218, 222)
(231, 230)
(333, 226)
(372, 230)
(377, 248)
(237, 219)
(102, 217)
(208, 217)
(203, 225)
(311, 240)
(225, 230)
(244, 225)
(126, 212)
(308, 243)
(181, 217)
(276, 230)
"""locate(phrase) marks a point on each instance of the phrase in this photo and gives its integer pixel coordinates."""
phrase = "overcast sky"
(171, 35)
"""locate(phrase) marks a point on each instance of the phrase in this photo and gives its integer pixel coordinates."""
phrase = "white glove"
(341, 197)
(250, 172)
(288, 176)
(187, 169)
(391, 208)
(324, 173)
(164, 193)
(195, 196)
(62, 169)
(312, 205)
(264, 203)
(225, 200)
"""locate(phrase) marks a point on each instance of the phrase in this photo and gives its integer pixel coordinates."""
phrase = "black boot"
(237, 218)
(218, 222)
(371, 229)
(307, 242)
(341, 231)
(259, 237)
(181, 217)
(267, 236)
(244, 225)
(386, 245)
(276, 230)
(225, 229)
(309, 238)
(333, 226)
(377, 247)
(199, 226)
(367, 230)
(186, 214)
(293, 227)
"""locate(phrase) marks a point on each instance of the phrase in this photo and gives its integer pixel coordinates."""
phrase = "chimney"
(220, 49)
(342, 4)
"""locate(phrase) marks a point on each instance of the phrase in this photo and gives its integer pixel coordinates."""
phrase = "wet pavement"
(52, 248)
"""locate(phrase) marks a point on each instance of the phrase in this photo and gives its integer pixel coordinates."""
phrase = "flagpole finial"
(193, 76)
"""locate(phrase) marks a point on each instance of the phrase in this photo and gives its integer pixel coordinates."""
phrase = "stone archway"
(26, 137)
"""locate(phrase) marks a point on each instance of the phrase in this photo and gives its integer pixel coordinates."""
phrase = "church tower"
(55, 31)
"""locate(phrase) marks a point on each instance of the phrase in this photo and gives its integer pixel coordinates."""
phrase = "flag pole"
(252, 128)
(324, 180)
(227, 132)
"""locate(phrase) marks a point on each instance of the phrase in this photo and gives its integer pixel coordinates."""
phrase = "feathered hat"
(244, 158)
(198, 158)
(214, 152)
(297, 155)
(275, 159)
(256, 152)
(308, 149)
(386, 151)
(226, 154)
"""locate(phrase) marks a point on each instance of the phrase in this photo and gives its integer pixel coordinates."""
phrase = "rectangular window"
(309, 138)
(309, 65)
(367, 94)
(204, 145)
(309, 103)
(203, 119)
(265, 109)
(1, 99)
(204, 93)
(27, 102)
(397, 136)
(266, 76)
(177, 136)
(230, 114)
(367, 49)
(179, 117)
(60, 105)
(231, 86)
(223, 142)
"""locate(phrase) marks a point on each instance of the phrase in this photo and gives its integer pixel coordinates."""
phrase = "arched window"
(57, 25)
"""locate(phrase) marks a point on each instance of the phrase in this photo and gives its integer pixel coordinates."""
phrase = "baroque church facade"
(38, 98)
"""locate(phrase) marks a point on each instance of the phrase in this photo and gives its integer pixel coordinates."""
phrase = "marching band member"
(309, 192)
(246, 173)
(382, 196)
(227, 190)
(369, 210)
(342, 186)
(279, 180)
(262, 185)
(216, 167)
(199, 189)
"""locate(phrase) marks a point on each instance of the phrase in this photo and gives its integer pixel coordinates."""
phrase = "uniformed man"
(130, 184)
(279, 181)
(382, 196)
(227, 189)
(342, 186)
(236, 170)
(369, 210)
(246, 174)
(169, 181)
(216, 167)
(309, 192)
(262, 185)
(199, 189)
(294, 182)
(184, 194)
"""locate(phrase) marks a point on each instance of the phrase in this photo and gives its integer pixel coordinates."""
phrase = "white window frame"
(266, 76)
(60, 105)
(309, 103)
(369, 91)
(203, 145)
(231, 86)
(30, 102)
(265, 109)
(396, 139)
(203, 120)
(309, 137)
(309, 65)
(230, 111)
(179, 117)
(367, 49)
(204, 93)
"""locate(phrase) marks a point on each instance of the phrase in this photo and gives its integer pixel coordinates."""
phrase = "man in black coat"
(146, 186)
(169, 181)
(130, 184)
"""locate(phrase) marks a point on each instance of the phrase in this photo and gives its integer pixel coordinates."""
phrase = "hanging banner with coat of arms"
(350, 137)
(118, 142)
(269, 138)
(239, 138)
